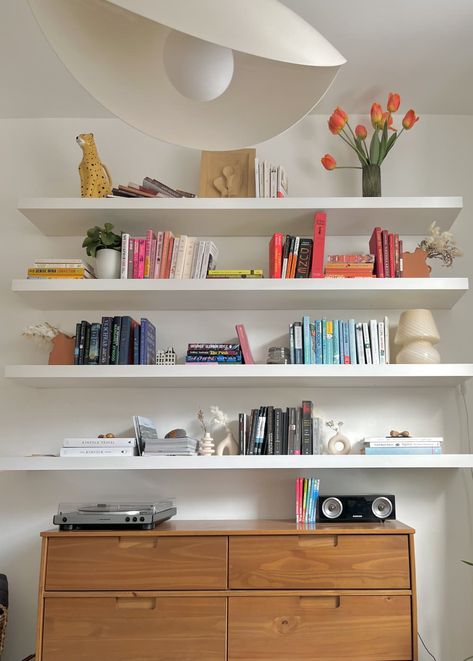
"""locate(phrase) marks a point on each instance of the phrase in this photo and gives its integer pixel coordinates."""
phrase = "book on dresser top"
(118, 340)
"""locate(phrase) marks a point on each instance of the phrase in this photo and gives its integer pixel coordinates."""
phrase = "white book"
(274, 181)
(360, 345)
(261, 178)
(83, 442)
(403, 443)
(374, 341)
(257, 177)
(386, 341)
(381, 343)
(159, 253)
(367, 343)
(64, 260)
(175, 251)
(197, 263)
(97, 452)
(209, 258)
(124, 257)
(266, 178)
(190, 247)
(411, 439)
(181, 254)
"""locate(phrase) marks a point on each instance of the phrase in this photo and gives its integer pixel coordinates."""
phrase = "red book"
(376, 249)
(244, 344)
(401, 249)
(318, 250)
(392, 267)
(141, 258)
(275, 255)
(385, 240)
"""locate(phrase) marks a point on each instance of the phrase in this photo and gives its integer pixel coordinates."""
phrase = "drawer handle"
(136, 603)
(136, 543)
(317, 541)
(319, 602)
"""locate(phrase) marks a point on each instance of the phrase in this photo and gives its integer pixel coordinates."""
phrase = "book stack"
(115, 341)
(177, 447)
(299, 257)
(387, 250)
(163, 255)
(307, 492)
(411, 445)
(72, 269)
(350, 266)
(235, 274)
(270, 180)
(149, 188)
(98, 447)
(208, 352)
(337, 342)
(270, 430)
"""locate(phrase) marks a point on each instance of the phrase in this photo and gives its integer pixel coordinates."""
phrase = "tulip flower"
(336, 122)
(409, 119)
(329, 162)
(376, 116)
(361, 132)
(387, 117)
(394, 101)
(341, 112)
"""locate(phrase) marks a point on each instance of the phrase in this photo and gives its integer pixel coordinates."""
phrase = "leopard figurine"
(95, 180)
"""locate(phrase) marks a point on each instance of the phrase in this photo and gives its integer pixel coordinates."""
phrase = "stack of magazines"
(180, 447)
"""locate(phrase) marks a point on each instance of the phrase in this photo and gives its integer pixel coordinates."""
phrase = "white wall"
(40, 158)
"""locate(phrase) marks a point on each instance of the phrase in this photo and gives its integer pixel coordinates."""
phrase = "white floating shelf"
(347, 216)
(325, 294)
(234, 463)
(239, 376)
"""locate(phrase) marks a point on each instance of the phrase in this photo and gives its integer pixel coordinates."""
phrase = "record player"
(114, 515)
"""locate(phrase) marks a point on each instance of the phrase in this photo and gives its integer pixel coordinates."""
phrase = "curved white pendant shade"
(156, 65)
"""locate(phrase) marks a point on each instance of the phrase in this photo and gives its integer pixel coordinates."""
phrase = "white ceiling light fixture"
(209, 74)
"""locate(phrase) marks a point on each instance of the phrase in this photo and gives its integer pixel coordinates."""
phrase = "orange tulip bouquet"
(380, 144)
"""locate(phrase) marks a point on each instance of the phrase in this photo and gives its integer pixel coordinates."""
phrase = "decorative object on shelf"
(227, 173)
(62, 351)
(414, 264)
(338, 443)
(278, 356)
(370, 158)
(438, 245)
(229, 444)
(206, 443)
(417, 333)
(109, 435)
(399, 434)
(200, 65)
(167, 357)
(105, 245)
(95, 179)
(176, 433)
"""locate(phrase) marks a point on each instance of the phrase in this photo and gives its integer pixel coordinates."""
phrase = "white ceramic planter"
(107, 263)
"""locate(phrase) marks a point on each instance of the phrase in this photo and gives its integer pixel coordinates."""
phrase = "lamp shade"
(200, 73)
(416, 325)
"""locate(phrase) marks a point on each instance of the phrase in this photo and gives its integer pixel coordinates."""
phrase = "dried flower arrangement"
(335, 426)
(43, 332)
(440, 245)
(62, 352)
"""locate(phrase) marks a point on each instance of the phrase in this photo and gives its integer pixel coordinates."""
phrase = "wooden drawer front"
(135, 628)
(352, 628)
(319, 561)
(132, 563)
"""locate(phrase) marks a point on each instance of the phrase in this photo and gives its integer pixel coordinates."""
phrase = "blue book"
(147, 343)
(124, 352)
(106, 341)
(306, 339)
(312, 343)
(329, 331)
(136, 344)
(324, 342)
(318, 342)
(94, 346)
(352, 341)
(346, 343)
(395, 450)
(336, 343)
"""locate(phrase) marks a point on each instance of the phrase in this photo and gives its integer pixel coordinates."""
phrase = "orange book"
(164, 257)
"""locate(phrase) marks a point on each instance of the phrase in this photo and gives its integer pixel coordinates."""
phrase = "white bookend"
(190, 246)
(181, 255)
(99, 443)
(97, 452)
(124, 258)
(374, 341)
(360, 345)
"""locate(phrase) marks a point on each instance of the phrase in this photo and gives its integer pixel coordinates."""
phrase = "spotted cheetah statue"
(95, 180)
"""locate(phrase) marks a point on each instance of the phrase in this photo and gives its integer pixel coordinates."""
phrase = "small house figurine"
(167, 357)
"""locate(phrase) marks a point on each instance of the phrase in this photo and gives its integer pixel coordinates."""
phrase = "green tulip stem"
(360, 154)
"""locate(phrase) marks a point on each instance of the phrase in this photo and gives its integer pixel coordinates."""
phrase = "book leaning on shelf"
(115, 341)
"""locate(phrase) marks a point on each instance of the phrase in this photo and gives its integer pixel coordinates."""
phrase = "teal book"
(324, 342)
(306, 339)
(397, 451)
(352, 341)
(318, 342)
(312, 343)
(336, 343)
(329, 329)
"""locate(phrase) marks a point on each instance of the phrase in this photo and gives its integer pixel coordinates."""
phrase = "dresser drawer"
(319, 561)
(325, 628)
(136, 563)
(121, 629)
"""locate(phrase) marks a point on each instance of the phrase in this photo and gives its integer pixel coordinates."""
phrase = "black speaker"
(352, 509)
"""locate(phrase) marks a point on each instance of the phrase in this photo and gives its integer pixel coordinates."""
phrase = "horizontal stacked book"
(386, 248)
(177, 447)
(208, 352)
(53, 268)
(337, 342)
(411, 445)
(235, 274)
(115, 341)
(149, 188)
(99, 447)
(163, 255)
(350, 266)
(271, 430)
(270, 180)
(299, 257)
(307, 493)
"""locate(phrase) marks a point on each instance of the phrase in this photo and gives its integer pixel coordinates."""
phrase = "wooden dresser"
(236, 590)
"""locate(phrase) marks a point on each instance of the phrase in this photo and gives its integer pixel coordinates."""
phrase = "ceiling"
(422, 49)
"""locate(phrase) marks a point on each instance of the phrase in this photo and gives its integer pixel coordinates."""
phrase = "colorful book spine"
(307, 342)
(318, 250)
(385, 242)
(131, 253)
(329, 330)
(148, 244)
(298, 344)
(336, 342)
(124, 256)
(324, 342)
(275, 255)
(94, 347)
(318, 342)
(244, 344)
(376, 249)
(346, 343)
(312, 342)
(352, 341)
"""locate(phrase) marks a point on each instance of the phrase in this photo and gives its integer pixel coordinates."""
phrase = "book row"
(69, 268)
(115, 341)
(222, 352)
(299, 257)
(163, 255)
(270, 430)
(337, 342)
(386, 247)
(307, 493)
(270, 180)
(149, 188)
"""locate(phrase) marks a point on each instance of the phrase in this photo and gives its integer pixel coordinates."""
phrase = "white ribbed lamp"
(209, 74)
(417, 333)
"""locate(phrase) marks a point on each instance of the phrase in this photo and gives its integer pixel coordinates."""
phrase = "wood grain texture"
(139, 629)
(40, 611)
(412, 558)
(365, 628)
(220, 593)
(134, 563)
(330, 561)
(245, 527)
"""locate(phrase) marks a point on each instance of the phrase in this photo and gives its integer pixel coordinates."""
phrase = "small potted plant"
(103, 244)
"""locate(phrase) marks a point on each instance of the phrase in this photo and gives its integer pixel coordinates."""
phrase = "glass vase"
(371, 180)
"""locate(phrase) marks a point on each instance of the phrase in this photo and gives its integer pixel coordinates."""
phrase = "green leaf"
(468, 563)
(391, 143)
(384, 140)
(374, 148)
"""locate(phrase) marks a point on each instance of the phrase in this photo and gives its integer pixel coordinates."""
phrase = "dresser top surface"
(244, 527)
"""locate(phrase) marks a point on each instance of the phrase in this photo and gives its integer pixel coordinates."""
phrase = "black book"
(115, 348)
(278, 431)
(307, 409)
(291, 430)
(285, 431)
(94, 345)
(77, 344)
(298, 431)
(261, 429)
(304, 258)
(242, 432)
(83, 326)
(285, 250)
(125, 352)
(269, 438)
(105, 342)
(253, 428)
(87, 344)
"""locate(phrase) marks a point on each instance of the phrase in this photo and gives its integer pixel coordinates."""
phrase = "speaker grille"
(332, 508)
(382, 507)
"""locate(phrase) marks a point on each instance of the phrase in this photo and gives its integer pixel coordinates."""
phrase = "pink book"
(159, 254)
(320, 225)
(131, 249)
(152, 259)
(141, 259)
(148, 241)
(136, 256)
(244, 344)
